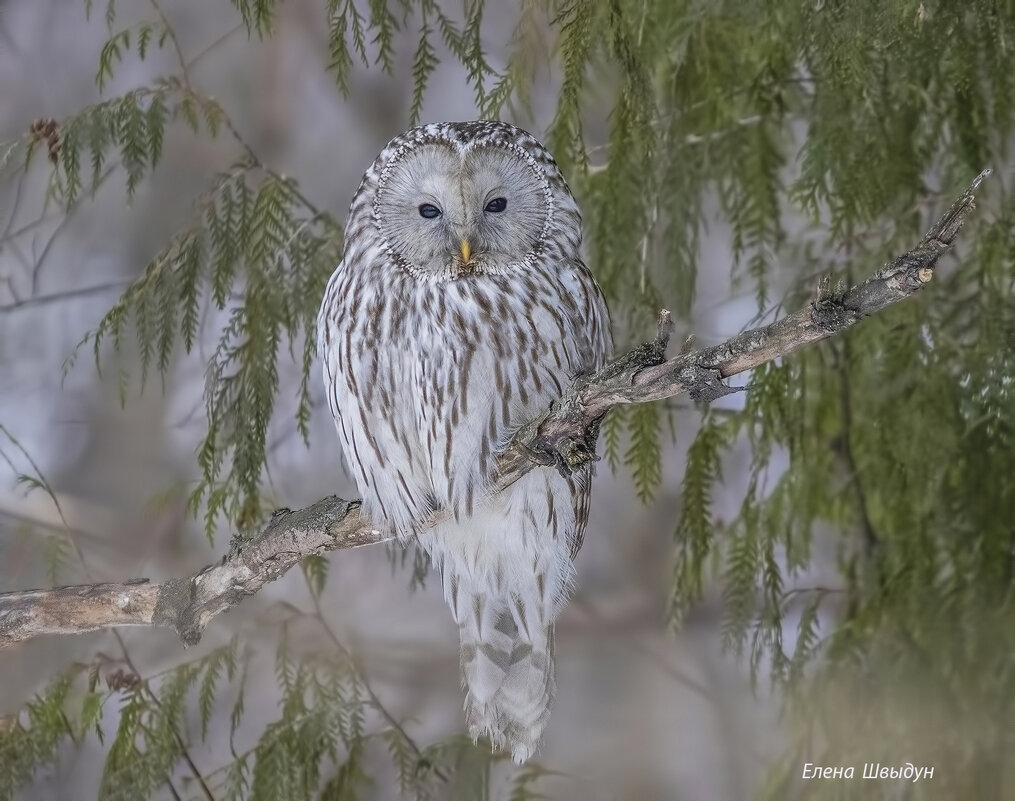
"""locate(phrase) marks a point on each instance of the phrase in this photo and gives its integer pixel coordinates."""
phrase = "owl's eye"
(429, 211)
(497, 205)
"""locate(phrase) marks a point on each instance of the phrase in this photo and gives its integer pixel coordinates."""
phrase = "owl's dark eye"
(497, 205)
(429, 211)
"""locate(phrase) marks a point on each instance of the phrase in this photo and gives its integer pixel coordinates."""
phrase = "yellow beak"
(466, 250)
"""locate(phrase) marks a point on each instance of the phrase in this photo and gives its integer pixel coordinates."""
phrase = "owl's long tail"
(507, 662)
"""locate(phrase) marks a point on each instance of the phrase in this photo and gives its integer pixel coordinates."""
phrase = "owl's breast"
(488, 358)
(428, 380)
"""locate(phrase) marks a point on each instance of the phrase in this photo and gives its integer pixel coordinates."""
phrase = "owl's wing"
(580, 324)
(580, 484)
(364, 377)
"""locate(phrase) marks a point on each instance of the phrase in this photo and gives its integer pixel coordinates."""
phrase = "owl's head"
(460, 199)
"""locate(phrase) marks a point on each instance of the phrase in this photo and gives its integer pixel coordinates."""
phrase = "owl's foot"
(568, 453)
(574, 453)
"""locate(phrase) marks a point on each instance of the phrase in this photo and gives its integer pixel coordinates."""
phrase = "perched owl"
(460, 310)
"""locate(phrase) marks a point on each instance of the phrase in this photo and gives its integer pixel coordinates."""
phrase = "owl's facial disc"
(448, 213)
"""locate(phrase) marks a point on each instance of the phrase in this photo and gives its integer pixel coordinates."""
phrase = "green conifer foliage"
(825, 134)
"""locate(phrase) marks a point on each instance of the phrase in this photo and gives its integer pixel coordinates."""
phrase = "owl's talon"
(573, 453)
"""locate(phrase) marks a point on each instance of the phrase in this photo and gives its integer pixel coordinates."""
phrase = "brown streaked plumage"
(460, 310)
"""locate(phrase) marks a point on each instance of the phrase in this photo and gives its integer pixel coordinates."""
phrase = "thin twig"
(207, 49)
(374, 700)
(58, 297)
(870, 535)
(171, 32)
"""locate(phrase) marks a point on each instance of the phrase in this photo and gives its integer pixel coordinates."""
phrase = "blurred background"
(642, 712)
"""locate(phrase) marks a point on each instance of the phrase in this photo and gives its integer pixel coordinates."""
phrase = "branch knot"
(830, 313)
(704, 384)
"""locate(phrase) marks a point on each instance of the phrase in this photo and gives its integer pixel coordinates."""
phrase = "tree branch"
(564, 436)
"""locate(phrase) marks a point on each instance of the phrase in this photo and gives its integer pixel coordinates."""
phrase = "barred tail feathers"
(507, 668)
(506, 573)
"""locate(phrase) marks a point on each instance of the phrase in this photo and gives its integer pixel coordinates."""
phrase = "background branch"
(564, 436)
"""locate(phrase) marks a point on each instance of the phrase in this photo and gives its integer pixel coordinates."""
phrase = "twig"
(564, 437)
(374, 699)
(870, 535)
(208, 48)
(58, 297)
(171, 32)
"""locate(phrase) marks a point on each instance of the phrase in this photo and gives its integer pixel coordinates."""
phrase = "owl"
(461, 308)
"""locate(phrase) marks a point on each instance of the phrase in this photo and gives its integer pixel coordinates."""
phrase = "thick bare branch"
(564, 437)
